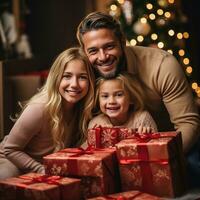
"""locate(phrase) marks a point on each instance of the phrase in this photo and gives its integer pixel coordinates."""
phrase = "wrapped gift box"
(34, 186)
(152, 163)
(104, 137)
(129, 195)
(98, 169)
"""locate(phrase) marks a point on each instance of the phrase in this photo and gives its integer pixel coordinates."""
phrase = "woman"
(55, 118)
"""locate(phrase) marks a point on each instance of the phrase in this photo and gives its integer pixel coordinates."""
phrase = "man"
(170, 98)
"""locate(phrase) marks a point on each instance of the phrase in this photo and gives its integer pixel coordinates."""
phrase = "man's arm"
(177, 97)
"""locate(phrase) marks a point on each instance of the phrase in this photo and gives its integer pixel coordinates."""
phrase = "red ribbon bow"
(42, 179)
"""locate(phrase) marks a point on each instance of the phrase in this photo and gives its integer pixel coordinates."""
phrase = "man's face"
(103, 50)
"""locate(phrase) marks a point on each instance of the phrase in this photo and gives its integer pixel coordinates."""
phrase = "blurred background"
(34, 32)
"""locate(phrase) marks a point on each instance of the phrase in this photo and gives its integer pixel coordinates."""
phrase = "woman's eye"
(67, 76)
(83, 77)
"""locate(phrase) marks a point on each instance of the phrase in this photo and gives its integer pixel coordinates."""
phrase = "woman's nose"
(74, 82)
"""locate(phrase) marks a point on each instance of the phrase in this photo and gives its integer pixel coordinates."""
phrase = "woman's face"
(114, 101)
(74, 83)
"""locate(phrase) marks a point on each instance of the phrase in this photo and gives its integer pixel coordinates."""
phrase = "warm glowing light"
(160, 12)
(112, 13)
(152, 16)
(171, 32)
(167, 14)
(186, 35)
(149, 6)
(198, 94)
(194, 85)
(197, 90)
(140, 38)
(179, 36)
(171, 1)
(143, 20)
(133, 42)
(154, 36)
(113, 7)
(189, 69)
(170, 51)
(181, 52)
(121, 1)
(186, 61)
(160, 45)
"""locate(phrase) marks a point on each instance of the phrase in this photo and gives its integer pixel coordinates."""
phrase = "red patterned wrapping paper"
(129, 195)
(34, 186)
(104, 137)
(154, 165)
(97, 169)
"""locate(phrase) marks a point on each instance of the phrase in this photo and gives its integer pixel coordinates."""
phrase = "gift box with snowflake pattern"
(152, 163)
(97, 169)
(34, 186)
(104, 137)
(129, 195)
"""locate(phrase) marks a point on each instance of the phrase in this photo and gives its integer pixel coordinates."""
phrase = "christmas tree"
(157, 23)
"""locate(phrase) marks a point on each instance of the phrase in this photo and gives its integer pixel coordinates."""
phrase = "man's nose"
(102, 55)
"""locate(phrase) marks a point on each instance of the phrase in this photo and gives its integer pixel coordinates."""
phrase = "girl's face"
(114, 101)
(75, 82)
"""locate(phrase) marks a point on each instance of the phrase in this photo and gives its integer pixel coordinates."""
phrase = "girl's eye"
(119, 94)
(103, 96)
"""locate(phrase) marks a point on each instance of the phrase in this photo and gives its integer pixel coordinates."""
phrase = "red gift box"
(97, 169)
(104, 137)
(152, 163)
(34, 186)
(129, 195)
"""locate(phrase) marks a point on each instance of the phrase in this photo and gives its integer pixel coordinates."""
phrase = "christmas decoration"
(157, 23)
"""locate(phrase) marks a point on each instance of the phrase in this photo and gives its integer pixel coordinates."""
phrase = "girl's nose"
(111, 100)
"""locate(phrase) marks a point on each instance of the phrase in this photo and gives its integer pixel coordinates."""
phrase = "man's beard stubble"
(120, 67)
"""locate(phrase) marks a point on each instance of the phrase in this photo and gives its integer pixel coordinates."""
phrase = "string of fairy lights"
(142, 28)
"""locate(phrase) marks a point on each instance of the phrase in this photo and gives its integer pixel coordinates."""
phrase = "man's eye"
(92, 51)
(111, 46)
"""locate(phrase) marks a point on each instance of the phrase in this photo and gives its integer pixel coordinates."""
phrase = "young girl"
(55, 118)
(121, 102)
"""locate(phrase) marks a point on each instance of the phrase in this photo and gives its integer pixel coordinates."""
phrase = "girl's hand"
(144, 129)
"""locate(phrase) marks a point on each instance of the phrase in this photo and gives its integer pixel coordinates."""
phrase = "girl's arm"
(23, 132)
(145, 123)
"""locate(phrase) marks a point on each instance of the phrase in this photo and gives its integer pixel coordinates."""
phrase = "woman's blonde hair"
(54, 109)
(131, 85)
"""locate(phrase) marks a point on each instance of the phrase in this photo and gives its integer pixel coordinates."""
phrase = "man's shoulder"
(141, 50)
(145, 59)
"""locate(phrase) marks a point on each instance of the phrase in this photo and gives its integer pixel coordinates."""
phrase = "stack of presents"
(118, 165)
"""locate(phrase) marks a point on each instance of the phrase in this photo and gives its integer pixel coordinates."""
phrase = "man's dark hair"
(99, 20)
